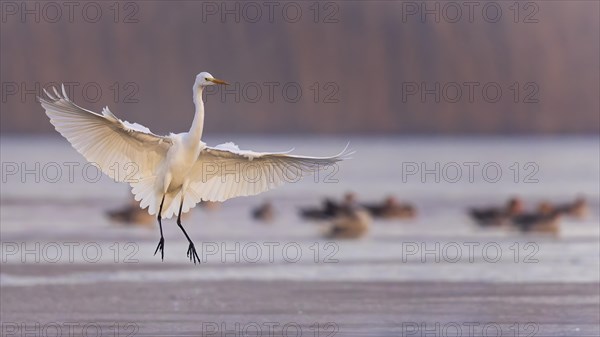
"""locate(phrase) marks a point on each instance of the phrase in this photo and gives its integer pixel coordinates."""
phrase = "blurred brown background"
(361, 54)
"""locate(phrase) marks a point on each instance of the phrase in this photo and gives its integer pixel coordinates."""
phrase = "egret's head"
(205, 79)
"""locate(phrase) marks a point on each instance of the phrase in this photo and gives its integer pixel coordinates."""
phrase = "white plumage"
(174, 166)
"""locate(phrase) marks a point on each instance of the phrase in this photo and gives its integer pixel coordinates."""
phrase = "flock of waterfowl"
(390, 208)
(545, 219)
(348, 218)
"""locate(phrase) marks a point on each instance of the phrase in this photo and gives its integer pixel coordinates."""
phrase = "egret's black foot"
(161, 247)
(191, 253)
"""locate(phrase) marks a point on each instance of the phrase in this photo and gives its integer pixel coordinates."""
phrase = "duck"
(330, 208)
(265, 212)
(210, 205)
(497, 216)
(352, 224)
(577, 209)
(131, 214)
(544, 220)
(390, 208)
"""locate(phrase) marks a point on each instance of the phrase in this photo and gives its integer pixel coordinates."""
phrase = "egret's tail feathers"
(144, 192)
(171, 208)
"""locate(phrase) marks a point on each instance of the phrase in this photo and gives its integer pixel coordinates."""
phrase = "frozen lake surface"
(66, 268)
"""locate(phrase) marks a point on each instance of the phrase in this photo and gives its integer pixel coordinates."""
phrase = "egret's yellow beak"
(217, 81)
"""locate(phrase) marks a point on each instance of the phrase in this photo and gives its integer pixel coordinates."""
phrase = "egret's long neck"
(198, 124)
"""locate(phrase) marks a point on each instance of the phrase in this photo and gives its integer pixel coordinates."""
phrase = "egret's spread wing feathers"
(124, 151)
(225, 171)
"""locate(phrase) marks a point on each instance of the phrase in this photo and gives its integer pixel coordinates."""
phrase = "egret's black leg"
(161, 243)
(191, 252)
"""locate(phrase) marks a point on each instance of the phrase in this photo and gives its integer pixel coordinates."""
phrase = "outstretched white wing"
(124, 151)
(225, 171)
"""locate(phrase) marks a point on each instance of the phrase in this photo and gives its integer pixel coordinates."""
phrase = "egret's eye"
(206, 78)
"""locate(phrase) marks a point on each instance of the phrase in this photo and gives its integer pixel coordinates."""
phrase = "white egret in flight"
(171, 174)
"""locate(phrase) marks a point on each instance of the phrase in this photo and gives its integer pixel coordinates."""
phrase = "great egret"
(171, 174)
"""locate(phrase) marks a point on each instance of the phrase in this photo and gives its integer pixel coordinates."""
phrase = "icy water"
(52, 216)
